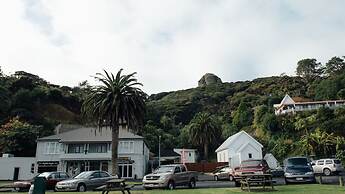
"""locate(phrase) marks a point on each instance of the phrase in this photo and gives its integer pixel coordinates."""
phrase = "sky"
(170, 43)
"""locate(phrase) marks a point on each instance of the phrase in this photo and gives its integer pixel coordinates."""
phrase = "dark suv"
(298, 170)
(250, 167)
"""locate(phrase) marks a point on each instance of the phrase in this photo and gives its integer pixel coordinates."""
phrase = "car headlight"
(288, 174)
(309, 173)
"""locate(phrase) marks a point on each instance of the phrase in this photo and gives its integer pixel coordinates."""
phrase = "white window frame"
(52, 148)
(126, 147)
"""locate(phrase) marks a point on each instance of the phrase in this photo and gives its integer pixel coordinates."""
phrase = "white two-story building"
(89, 148)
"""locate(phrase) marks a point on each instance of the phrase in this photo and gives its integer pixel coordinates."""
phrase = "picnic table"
(255, 180)
(116, 185)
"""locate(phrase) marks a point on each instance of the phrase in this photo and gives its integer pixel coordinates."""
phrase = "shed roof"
(232, 138)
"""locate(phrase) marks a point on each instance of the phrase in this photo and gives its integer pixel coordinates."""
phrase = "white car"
(327, 166)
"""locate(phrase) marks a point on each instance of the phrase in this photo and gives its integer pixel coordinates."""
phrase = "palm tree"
(117, 101)
(203, 130)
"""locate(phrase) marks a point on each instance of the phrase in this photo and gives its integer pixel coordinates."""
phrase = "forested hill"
(32, 107)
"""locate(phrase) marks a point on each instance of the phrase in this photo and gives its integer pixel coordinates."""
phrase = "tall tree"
(243, 116)
(309, 69)
(117, 101)
(203, 130)
(335, 66)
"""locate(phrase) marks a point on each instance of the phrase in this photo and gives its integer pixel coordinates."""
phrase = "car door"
(178, 175)
(94, 180)
(104, 178)
(184, 175)
(319, 166)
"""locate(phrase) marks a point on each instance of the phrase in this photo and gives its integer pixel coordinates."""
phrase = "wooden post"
(320, 180)
(341, 181)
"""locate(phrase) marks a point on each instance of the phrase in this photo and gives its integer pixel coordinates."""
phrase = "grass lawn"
(285, 189)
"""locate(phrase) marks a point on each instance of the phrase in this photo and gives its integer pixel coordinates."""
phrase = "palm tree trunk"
(206, 151)
(114, 149)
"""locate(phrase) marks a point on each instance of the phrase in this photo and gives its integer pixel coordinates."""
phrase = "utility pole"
(159, 151)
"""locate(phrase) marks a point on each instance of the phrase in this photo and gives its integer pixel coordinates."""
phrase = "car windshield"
(337, 162)
(83, 175)
(45, 174)
(297, 162)
(164, 169)
(251, 163)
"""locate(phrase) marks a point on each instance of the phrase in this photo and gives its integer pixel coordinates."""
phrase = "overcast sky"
(171, 44)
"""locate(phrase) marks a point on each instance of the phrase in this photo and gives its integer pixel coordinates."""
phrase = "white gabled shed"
(238, 147)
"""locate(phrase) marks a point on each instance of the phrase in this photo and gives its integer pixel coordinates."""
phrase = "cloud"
(171, 44)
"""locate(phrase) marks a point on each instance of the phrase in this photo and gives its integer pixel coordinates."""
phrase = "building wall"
(140, 156)
(236, 155)
(24, 164)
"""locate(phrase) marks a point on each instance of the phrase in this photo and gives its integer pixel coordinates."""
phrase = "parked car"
(250, 167)
(51, 179)
(170, 176)
(298, 170)
(327, 166)
(87, 180)
(224, 173)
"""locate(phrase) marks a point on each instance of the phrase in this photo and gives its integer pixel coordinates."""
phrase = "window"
(63, 175)
(250, 156)
(103, 174)
(52, 148)
(177, 169)
(98, 148)
(183, 169)
(329, 162)
(32, 168)
(76, 148)
(126, 147)
(320, 162)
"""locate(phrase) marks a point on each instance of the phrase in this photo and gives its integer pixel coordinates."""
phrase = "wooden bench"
(116, 185)
(255, 180)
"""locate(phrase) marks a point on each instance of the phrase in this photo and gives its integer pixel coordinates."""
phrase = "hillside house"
(291, 106)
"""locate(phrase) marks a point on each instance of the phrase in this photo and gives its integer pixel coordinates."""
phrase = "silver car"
(327, 166)
(224, 173)
(84, 181)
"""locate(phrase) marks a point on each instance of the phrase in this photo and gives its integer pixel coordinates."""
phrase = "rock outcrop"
(209, 79)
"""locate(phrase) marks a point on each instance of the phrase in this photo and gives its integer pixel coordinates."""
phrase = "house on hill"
(293, 105)
(238, 147)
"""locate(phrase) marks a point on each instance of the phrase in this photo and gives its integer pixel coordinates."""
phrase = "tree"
(203, 130)
(242, 116)
(318, 143)
(335, 66)
(309, 69)
(117, 101)
(18, 137)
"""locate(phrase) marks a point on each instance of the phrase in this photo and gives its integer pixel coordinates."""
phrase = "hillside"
(31, 107)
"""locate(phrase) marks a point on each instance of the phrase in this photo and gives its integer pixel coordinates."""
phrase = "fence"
(205, 167)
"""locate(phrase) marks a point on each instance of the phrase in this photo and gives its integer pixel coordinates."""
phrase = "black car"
(298, 170)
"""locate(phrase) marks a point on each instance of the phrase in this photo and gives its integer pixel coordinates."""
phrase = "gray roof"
(90, 134)
(232, 138)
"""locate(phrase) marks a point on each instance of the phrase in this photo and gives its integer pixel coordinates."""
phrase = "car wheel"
(216, 178)
(147, 188)
(171, 185)
(327, 172)
(231, 178)
(192, 184)
(81, 188)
